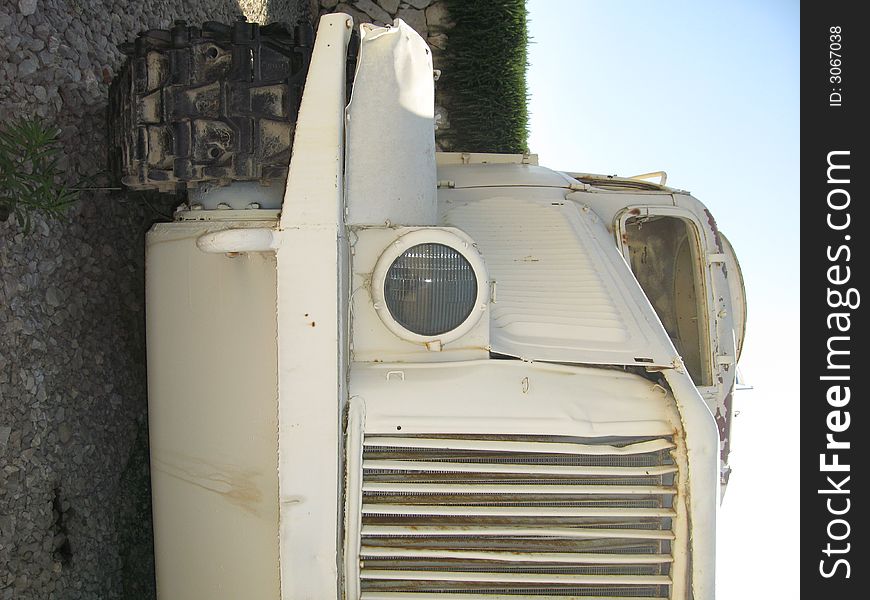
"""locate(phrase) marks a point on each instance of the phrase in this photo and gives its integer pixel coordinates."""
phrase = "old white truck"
(421, 375)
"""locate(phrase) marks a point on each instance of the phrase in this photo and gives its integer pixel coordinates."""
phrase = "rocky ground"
(74, 502)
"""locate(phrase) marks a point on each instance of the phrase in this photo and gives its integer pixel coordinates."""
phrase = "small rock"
(5, 430)
(328, 4)
(52, 296)
(58, 541)
(373, 10)
(37, 44)
(40, 93)
(415, 19)
(21, 582)
(419, 3)
(438, 40)
(79, 42)
(437, 17)
(27, 7)
(64, 433)
(391, 6)
(65, 50)
(7, 525)
(28, 66)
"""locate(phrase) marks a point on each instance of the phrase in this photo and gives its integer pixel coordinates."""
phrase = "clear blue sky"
(708, 92)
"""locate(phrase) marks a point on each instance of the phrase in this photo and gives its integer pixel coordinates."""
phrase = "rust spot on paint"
(714, 228)
(237, 486)
(723, 420)
(313, 324)
(634, 211)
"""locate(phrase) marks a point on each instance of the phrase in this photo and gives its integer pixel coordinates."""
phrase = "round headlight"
(430, 285)
(430, 289)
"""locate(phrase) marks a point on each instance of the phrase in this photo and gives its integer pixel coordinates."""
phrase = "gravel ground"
(74, 503)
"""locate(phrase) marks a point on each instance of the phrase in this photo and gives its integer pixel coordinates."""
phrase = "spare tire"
(214, 104)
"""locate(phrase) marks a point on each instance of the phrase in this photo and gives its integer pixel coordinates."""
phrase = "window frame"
(704, 282)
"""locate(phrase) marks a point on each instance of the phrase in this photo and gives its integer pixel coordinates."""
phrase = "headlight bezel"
(453, 239)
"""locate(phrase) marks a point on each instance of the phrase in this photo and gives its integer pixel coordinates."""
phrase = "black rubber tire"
(214, 104)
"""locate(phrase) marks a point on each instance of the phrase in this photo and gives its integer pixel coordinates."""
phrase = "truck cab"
(420, 375)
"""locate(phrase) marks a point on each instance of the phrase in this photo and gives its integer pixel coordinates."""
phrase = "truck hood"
(561, 290)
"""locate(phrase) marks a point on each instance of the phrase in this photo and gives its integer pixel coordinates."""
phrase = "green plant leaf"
(31, 179)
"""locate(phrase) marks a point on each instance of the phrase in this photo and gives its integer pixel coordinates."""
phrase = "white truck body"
(306, 445)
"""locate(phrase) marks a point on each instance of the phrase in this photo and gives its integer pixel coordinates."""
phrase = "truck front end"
(434, 375)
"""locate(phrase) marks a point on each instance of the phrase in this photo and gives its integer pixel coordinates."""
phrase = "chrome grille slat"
(512, 557)
(523, 578)
(595, 545)
(374, 443)
(510, 511)
(485, 596)
(515, 517)
(508, 531)
(514, 490)
(516, 478)
(384, 466)
(478, 589)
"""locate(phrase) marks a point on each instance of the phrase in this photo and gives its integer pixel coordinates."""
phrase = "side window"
(665, 256)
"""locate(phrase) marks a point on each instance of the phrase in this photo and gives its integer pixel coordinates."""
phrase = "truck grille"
(544, 517)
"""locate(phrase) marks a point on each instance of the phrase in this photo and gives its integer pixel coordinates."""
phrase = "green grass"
(485, 82)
